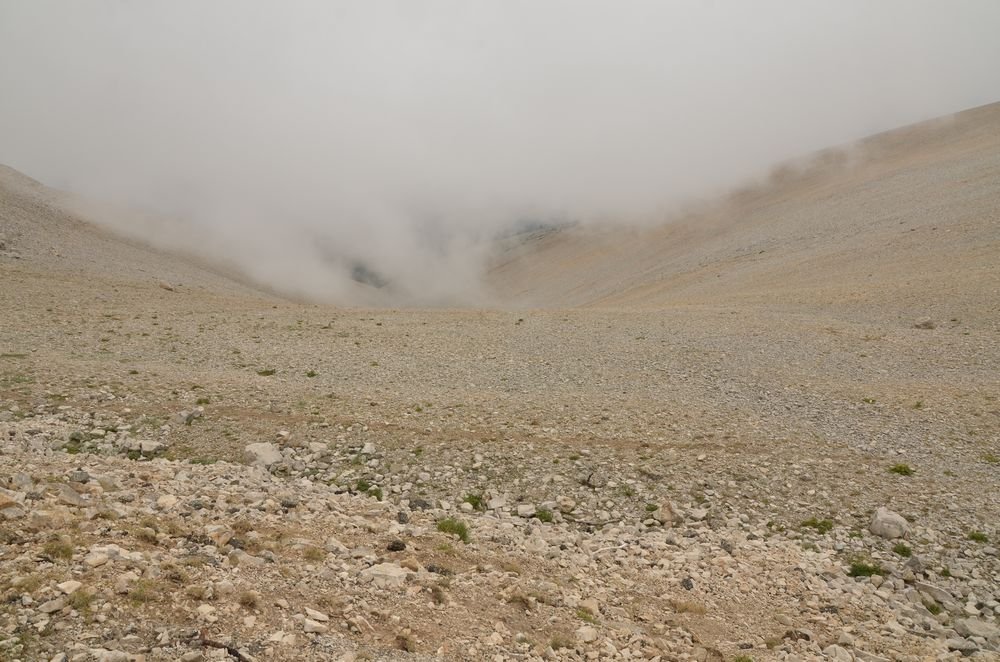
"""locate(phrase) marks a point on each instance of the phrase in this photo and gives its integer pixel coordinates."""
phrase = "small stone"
(961, 645)
(124, 582)
(592, 606)
(687, 583)
(396, 546)
(925, 323)
(888, 524)
(697, 514)
(67, 495)
(52, 605)
(79, 476)
(586, 634)
(837, 654)
(385, 575)
(317, 615)
(263, 454)
(69, 587)
(974, 627)
(368, 449)
(96, 559)
(526, 510)
(167, 501)
(312, 626)
(151, 447)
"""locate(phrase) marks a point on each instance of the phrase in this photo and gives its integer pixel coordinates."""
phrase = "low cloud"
(329, 148)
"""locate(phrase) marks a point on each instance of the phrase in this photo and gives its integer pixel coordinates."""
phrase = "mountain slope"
(906, 218)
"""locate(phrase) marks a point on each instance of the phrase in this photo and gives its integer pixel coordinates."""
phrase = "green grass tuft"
(902, 549)
(454, 527)
(863, 569)
(821, 525)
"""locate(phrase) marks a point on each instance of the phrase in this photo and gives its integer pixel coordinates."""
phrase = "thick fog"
(315, 144)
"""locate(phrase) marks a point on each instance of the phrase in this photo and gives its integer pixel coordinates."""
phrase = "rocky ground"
(194, 478)
(796, 467)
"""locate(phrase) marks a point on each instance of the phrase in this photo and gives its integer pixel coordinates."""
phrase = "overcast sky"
(393, 132)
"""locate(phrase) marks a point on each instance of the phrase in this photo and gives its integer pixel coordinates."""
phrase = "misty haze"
(566, 330)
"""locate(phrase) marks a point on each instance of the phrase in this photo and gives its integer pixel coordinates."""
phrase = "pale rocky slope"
(679, 459)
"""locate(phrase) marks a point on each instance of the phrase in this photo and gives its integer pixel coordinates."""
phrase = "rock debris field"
(192, 469)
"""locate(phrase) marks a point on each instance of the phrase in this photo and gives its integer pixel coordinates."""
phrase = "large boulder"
(888, 524)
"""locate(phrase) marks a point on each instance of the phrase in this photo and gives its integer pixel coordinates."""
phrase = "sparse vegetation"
(476, 501)
(820, 525)
(978, 536)
(311, 373)
(58, 549)
(544, 515)
(266, 372)
(902, 549)
(143, 591)
(313, 554)
(249, 600)
(454, 527)
(901, 470)
(864, 569)
(559, 641)
(688, 607)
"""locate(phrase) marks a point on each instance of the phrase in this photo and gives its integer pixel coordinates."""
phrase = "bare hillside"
(903, 223)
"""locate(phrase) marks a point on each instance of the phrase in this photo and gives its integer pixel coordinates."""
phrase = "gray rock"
(312, 626)
(150, 447)
(69, 587)
(888, 524)
(79, 476)
(263, 454)
(69, 496)
(933, 591)
(186, 417)
(52, 605)
(974, 627)
(837, 653)
(385, 575)
(961, 645)
(526, 510)
(697, 514)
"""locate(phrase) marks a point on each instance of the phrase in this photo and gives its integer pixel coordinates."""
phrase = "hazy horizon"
(302, 139)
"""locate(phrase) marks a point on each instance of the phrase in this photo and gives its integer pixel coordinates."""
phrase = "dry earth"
(674, 449)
